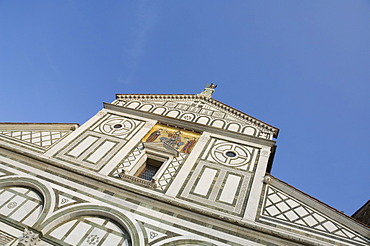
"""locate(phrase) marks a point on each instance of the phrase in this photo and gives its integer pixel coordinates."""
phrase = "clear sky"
(302, 66)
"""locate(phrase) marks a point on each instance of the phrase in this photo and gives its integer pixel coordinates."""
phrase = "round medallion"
(230, 154)
(117, 126)
(12, 205)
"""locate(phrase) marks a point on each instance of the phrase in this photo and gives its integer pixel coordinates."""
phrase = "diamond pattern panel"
(43, 139)
(130, 160)
(280, 206)
(171, 170)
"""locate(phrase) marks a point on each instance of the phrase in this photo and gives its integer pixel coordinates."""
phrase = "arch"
(233, 127)
(250, 130)
(146, 107)
(173, 113)
(46, 192)
(188, 117)
(73, 212)
(183, 241)
(159, 110)
(203, 120)
(218, 123)
(133, 104)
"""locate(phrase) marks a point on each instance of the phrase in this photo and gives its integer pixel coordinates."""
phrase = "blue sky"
(302, 66)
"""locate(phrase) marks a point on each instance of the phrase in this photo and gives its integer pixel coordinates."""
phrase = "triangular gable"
(37, 136)
(293, 210)
(199, 109)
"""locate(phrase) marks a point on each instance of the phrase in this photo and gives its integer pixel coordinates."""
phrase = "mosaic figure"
(154, 135)
(189, 145)
(173, 139)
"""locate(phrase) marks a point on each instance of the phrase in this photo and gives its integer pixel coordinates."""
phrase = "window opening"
(150, 168)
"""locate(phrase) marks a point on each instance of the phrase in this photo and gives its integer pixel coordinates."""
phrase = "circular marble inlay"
(12, 205)
(230, 154)
(117, 126)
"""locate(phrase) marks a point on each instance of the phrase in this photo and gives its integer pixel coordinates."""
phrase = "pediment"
(199, 109)
(161, 147)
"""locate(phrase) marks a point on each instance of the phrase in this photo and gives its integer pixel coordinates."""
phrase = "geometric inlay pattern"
(118, 126)
(20, 204)
(154, 234)
(87, 230)
(171, 171)
(282, 207)
(231, 154)
(6, 239)
(167, 175)
(130, 160)
(199, 111)
(42, 139)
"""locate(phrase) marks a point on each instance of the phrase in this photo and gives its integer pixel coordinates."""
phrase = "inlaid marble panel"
(88, 230)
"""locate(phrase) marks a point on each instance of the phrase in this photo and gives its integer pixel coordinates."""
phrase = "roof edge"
(37, 126)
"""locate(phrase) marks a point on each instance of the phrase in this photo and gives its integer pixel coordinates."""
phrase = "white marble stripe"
(101, 151)
(230, 188)
(205, 181)
(81, 147)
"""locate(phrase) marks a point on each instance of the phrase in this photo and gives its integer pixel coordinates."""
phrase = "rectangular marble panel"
(111, 240)
(81, 147)
(12, 205)
(23, 210)
(101, 151)
(205, 181)
(5, 196)
(78, 233)
(30, 220)
(94, 237)
(230, 188)
(61, 231)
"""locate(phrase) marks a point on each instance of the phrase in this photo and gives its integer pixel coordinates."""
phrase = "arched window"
(21, 204)
(91, 230)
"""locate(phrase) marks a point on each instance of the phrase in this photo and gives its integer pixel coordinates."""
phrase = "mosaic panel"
(282, 207)
(20, 204)
(179, 139)
(88, 230)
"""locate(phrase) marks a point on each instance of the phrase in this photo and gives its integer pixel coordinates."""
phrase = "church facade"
(157, 170)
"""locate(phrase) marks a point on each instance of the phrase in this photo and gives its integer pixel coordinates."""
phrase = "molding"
(39, 126)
